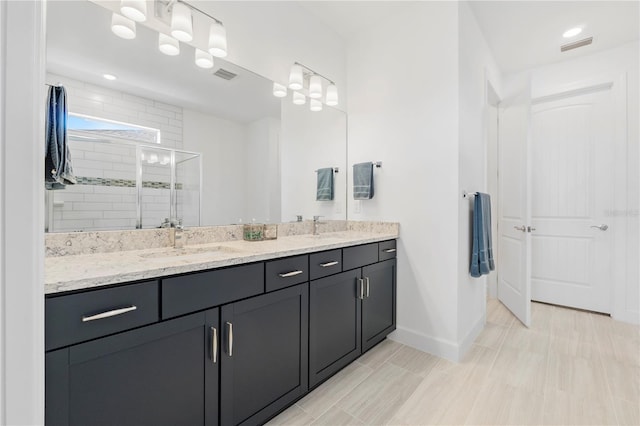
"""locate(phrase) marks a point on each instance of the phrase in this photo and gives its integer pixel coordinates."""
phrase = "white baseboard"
(436, 346)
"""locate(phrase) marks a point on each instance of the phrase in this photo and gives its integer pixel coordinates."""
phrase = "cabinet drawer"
(387, 250)
(355, 257)
(325, 263)
(84, 316)
(202, 290)
(283, 273)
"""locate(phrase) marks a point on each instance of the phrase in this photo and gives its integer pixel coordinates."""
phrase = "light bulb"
(315, 87)
(134, 9)
(123, 27)
(332, 95)
(203, 59)
(299, 98)
(181, 22)
(168, 45)
(315, 105)
(279, 91)
(295, 77)
(218, 40)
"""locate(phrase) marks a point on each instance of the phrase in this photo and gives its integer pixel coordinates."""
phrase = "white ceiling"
(525, 34)
(80, 45)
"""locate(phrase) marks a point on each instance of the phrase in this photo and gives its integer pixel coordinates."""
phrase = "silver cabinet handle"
(391, 250)
(602, 227)
(111, 313)
(361, 283)
(290, 274)
(521, 228)
(366, 280)
(214, 345)
(229, 338)
(332, 263)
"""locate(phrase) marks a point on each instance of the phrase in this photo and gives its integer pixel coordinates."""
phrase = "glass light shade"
(299, 98)
(217, 40)
(279, 91)
(134, 9)
(332, 95)
(315, 87)
(168, 45)
(203, 59)
(296, 77)
(123, 27)
(181, 22)
(315, 105)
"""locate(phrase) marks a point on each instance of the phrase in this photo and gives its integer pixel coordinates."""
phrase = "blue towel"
(324, 190)
(482, 254)
(57, 162)
(363, 181)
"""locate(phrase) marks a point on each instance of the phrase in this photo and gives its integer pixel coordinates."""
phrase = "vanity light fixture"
(332, 95)
(217, 39)
(168, 45)
(134, 9)
(296, 77)
(315, 105)
(315, 86)
(181, 22)
(203, 59)
(123, 27)
(572, 32)
(279, 90)
(299, 98)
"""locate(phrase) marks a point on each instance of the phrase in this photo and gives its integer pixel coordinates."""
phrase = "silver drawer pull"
(230, 339)
(111, 313)
(214, 345)
(291, 274)
(391, 250)
(326, 265)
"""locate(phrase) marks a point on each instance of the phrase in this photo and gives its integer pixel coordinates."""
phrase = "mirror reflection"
(163, 138)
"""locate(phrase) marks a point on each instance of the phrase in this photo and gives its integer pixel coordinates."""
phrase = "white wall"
(476, 67)
(403, 111)
(310, 141)
(22, 198)
(223, 145)
(618, 65)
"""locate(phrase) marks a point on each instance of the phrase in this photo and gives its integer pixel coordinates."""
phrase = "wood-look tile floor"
(570, 368)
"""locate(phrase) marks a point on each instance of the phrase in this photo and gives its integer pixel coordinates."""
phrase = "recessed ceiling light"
(109, 76)
(572, 32)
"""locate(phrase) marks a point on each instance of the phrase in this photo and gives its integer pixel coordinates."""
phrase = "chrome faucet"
(316, 222)
(176, 233)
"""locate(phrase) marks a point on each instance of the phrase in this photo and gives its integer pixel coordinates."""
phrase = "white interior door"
(514, 243)
(572, 189)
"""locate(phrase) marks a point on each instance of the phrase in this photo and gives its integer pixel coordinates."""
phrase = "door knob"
(602, 227)
(520, 228)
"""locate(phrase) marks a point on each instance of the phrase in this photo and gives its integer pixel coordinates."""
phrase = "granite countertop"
(84, 271)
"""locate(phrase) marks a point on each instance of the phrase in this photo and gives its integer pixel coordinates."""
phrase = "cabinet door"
(334, 324)
(379, 303)
(161, 374)
(265, 355)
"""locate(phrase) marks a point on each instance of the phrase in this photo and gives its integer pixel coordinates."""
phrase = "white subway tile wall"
(96, 206)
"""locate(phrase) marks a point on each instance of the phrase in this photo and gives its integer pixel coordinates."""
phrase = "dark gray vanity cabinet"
(161, 374)
(264, 361)
(334, 324)
(352, 311)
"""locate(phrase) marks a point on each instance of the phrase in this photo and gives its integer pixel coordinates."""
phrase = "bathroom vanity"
(233, 343)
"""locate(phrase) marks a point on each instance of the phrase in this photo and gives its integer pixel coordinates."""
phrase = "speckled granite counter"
(82, 271)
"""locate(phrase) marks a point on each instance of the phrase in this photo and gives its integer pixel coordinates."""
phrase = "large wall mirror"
(167, 139)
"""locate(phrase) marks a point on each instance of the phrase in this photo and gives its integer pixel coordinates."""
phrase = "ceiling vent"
(227, 75)
(576, 44)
